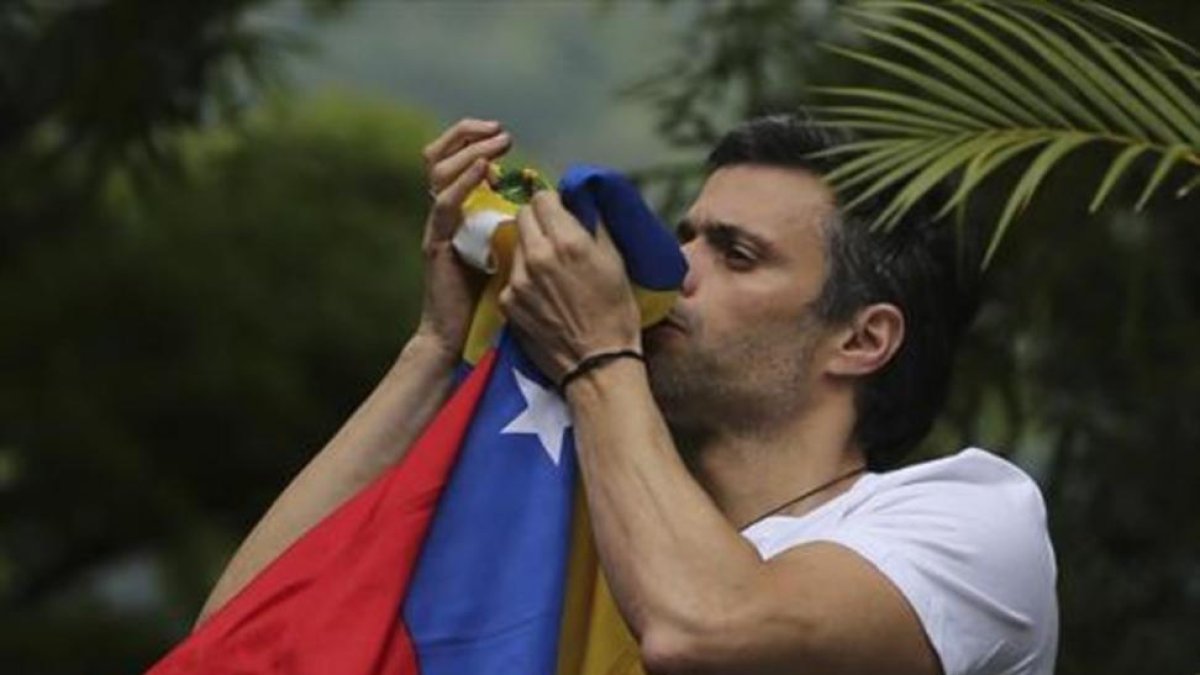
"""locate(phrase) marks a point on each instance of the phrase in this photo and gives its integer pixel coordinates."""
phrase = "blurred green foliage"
(107, 79)
(181, 350)
(193, 299)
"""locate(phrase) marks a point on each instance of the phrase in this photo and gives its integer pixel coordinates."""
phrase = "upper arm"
(819, 607)
(858, 620)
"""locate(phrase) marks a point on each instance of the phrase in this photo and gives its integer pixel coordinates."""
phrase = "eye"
(738, 257)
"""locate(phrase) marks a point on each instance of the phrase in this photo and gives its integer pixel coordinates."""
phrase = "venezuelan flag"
(472, 555)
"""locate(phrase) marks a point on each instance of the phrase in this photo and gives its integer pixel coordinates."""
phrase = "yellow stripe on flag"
(594, 639)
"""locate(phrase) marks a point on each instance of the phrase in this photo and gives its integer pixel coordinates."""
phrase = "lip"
(676, 322)
(673, 323)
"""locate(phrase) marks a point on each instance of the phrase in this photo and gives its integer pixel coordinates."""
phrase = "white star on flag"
(545, 415)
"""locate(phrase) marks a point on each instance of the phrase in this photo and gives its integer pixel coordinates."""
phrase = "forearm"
(375, 437)
(670, 556)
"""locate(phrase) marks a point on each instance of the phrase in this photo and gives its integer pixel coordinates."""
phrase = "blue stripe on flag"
(652, 256)
(487, 593)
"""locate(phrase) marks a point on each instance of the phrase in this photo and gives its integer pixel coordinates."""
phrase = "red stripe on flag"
(330, 604)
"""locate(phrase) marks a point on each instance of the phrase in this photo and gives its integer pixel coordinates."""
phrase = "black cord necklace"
(820, 488)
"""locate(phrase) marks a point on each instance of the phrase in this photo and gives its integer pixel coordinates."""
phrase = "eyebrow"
(727, 230)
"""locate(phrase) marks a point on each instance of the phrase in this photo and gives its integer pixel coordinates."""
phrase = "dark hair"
(916, 266)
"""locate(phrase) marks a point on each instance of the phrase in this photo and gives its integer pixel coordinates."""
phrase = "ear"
(867, 342)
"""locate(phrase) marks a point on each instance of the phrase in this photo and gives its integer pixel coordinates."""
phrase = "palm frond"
(1137, 26)
(981, 84)
(1115, 172)
(1187, 189)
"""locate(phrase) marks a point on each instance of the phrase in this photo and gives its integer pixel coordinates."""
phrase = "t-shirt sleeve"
(969, 550)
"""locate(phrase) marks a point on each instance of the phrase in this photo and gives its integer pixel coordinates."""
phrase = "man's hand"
(568, 295)
(455, 163)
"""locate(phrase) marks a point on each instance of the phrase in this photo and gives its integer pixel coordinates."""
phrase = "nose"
(692, 278)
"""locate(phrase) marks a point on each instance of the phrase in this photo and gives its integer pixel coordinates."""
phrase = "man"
(727, 475)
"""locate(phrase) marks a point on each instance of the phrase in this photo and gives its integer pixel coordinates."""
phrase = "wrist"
(598, 382)
(596, 360)
(427, 348)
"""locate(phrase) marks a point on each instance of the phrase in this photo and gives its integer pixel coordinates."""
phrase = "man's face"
(738, 347)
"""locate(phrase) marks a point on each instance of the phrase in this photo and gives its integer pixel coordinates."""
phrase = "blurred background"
(209, 216)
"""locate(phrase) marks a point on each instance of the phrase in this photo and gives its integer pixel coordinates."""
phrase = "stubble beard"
(745, 385)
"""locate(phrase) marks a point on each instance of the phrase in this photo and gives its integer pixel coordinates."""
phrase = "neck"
(749, 473)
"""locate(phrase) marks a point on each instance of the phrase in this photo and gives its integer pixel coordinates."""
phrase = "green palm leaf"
(1187, 189)
(984, 84)
(1115, 172)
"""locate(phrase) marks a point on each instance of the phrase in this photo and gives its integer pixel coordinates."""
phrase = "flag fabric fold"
(458, 559)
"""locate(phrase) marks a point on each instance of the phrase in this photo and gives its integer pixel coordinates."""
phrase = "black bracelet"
(594, 361)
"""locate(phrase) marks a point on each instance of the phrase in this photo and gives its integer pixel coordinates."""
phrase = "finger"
(558, 223)
(531, 238)
(518, 278)
(507, 302)
(456, 137)
(518, 275)
(448, 169)
(607, 248)
(447, 205)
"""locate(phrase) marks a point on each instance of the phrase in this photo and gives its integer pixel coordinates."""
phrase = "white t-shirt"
(964, 539)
